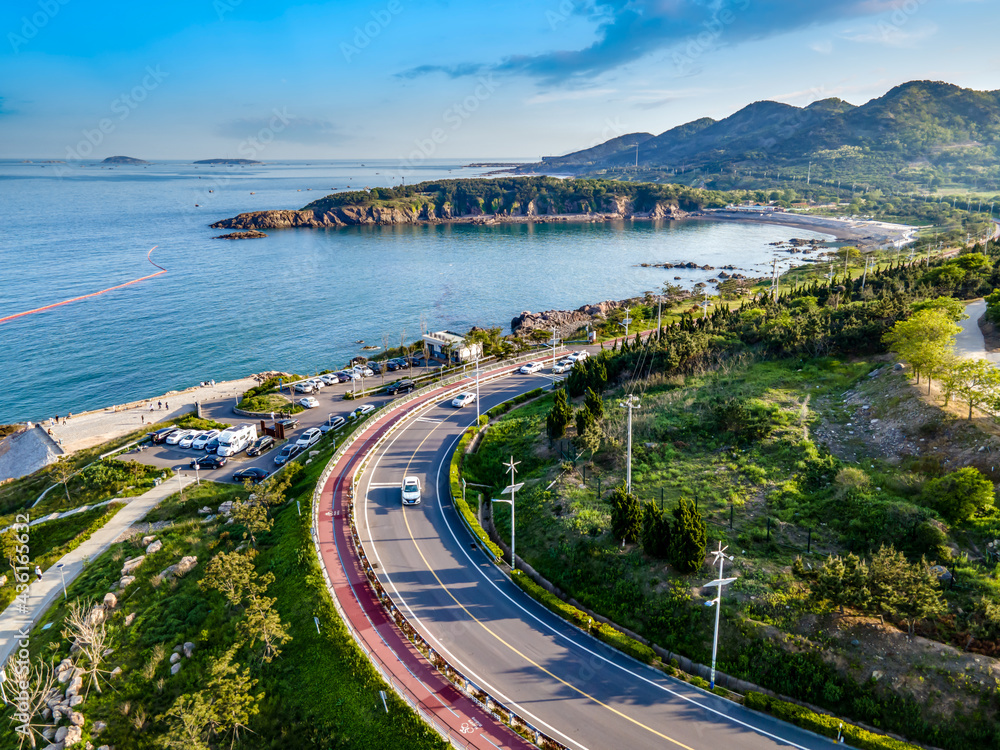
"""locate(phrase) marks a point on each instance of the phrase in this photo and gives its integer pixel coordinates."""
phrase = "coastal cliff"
(614, 208)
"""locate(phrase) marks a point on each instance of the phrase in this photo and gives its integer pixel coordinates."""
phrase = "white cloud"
(824, 47)
(890, 34)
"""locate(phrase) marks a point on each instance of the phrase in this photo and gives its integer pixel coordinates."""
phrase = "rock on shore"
(253, 234)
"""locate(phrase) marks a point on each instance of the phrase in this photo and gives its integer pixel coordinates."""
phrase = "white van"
(234, 439)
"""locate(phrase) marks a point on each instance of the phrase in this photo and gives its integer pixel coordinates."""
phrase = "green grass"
(269, 402)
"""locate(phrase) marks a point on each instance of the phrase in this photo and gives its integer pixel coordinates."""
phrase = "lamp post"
(477, 392)
(720, 557)
(630, 403)
(511, 489)
(62, 575)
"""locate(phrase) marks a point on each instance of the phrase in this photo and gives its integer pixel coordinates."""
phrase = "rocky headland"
(616, 209)
(123, 160)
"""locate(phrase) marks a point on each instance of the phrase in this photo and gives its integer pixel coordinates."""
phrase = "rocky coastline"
(253, 234)
(428, 213)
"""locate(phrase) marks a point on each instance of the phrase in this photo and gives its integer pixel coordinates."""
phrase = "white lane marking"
(383, 484)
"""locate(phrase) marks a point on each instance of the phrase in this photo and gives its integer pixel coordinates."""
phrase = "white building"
(448, 345)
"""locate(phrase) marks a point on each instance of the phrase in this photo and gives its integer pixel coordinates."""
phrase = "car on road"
(289, 424)
(309, 402)
(411, 491)
(203, 439)
(304, 387)
(161, 435)
(578, 356)
(261, 445)
(210, 461)
(332, 423)
(253, 473)
(463, 399)
(175, 437)
(288, 451)
(309, 437)
(530, 367)
(402, 386)
(362, 410)
(562, 366)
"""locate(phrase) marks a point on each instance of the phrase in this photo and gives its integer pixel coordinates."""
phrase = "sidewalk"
(95, 427)
(436, 699)
(42, 594)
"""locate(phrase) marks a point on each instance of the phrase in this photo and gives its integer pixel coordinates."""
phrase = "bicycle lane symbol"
(470, 726)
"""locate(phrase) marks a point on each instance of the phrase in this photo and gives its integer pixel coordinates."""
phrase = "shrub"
(688, 540)
(455, 476)
(959, 495)
(626, 515)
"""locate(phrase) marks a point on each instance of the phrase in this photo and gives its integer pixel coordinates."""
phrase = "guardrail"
(493, 706)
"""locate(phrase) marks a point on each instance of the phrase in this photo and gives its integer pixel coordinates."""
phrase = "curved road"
(568, 684)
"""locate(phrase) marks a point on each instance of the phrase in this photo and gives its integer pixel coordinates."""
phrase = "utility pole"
(864, 276)
(477, 392)
(553, 346)
(774, 279)
(627, 320)
(720, 558)
(704, 305)
(511, 489)
(630, 403)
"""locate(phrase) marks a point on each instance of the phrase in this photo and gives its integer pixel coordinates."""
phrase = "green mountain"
(925, 134)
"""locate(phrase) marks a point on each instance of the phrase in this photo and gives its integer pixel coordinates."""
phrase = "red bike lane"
(464, 721)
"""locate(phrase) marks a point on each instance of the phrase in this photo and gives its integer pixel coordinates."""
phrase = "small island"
(123, 160)
(228, 161)
(251, 235)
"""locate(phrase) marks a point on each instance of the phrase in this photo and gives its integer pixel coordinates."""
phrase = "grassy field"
(269, 402)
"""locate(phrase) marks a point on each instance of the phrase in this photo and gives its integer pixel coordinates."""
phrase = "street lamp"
(720, 557)
(62, 575)
(477, 392)
(511, 489)
(630, 403)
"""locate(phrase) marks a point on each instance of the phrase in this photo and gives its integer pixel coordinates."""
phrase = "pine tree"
(626, 515)
(687, 545)
(559, 417)
(656, 531)
(593, 403)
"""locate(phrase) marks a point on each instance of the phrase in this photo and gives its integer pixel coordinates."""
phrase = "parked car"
(304, 387)
(289, 424)
(463, 399)
(411, 491)
(309, 437)
(402, 386)
(287, 453)
(210, 461)
(530, 367)
(186, 442)
(352, 374)
(342, 376)
(563, 366)
(362, 410)
(329, 378)
(175, 437)
(375, 367)
(161, 435)
(212, 445)
(363, 371)
(253, 473)
(261, 445)
(309, 402)
(333, 423)
(202, 440)
(392, 365)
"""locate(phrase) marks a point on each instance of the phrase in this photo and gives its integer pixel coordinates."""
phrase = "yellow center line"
(483, 625)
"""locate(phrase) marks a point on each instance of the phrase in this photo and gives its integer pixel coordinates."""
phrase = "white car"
(463, 399)
(365, 372)
(530, 368)
(202, 440)
(411, 491)
(362, 410)
(304, 387)
(309, 437)
(332, 423)
(329, 379)
(176, 437)
(564, 366)
(578, 356)
(185, 442)
(309, 402)
(317, 384)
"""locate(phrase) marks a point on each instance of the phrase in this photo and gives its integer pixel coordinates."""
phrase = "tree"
(626, 515)
(923, 340)
(975, 381)
(9, 544)
(953, 307)
(262, 623)
(559, 417)
(190, 720)
(591, 437)
(252, 516)
(31, 688)
(688, 540)
(958, 496)
(85, 626)
(656, 531)
(993, 306)
(593, 403)
(231, 574)
(233, 701)
(62, 471)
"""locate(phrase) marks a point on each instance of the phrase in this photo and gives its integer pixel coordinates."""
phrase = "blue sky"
(409, 79)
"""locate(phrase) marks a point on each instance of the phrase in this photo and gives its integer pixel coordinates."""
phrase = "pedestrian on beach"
(143, 418)
(159, 404)
(213, 383)
(166, 405)
(38, 572)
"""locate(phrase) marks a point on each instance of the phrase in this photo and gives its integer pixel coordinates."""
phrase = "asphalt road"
(568, 684)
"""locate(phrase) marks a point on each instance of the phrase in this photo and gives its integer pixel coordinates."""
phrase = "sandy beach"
(860, 231)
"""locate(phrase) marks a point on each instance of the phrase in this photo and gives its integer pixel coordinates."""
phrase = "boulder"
(176, 668)
(129, 619)
(154, 547)
(188, 649)
(75, 700)
(204, 510)
(61, 733)
(49, 732)
(64, 671)
(226, 508)
(126, 581)
(208, 519)
(110, 601)
(115, 672)
(181, 569)
(131, 564)
(76, 719)
(147, 540)
(174, 658)
(75, 686)
(3, 580)
(97, 614)
(74, 735)
(99, 726)
(107, 652)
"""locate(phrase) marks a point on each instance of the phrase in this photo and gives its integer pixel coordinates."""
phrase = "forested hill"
(922, 133)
